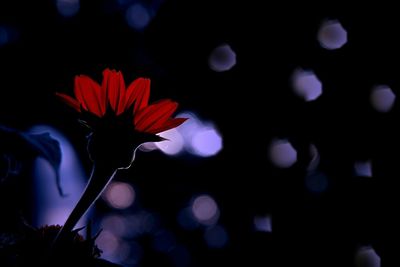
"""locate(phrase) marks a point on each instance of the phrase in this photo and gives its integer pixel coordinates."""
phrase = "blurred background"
(290, 155)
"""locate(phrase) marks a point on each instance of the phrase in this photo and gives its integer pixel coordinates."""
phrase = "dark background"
(250, 104)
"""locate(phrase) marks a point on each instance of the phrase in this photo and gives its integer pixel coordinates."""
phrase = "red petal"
(155, 115)
(172, 123)
(70, 101)
(138, 92)
(114, 85)
(88, 93)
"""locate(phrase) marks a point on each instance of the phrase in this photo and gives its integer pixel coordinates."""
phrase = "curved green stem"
(99, 179)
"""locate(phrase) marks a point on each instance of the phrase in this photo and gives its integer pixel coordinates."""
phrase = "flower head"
(112, 98)
(120, 118)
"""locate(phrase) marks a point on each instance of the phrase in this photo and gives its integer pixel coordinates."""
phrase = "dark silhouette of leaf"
(18, 146)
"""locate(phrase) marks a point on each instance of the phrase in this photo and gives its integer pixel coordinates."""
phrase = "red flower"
(97, 100)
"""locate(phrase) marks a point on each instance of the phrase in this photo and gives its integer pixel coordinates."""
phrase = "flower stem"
(99, 179)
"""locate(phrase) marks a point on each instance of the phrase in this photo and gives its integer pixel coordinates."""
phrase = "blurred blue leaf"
(18, 146)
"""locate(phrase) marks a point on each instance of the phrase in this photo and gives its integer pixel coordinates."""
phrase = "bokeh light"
(108, 243)
(192, 125)
(68, 8)
(363, 168)
(198, 138)
(205, 210)
(332, 35)
(174, 143)
(216, 236)
(147, 147)
(306, 84)
(263, 223)
(117, 250)
(119, 195)
(222, 58)
(316, 182)
(206, 142)
(367, 257)
(137, 16)
(382, 98)
(115, 224)
(282, 154)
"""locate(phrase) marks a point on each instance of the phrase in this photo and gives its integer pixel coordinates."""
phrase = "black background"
(250, 104)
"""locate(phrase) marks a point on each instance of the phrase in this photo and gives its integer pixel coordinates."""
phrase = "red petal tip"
(69, 101)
